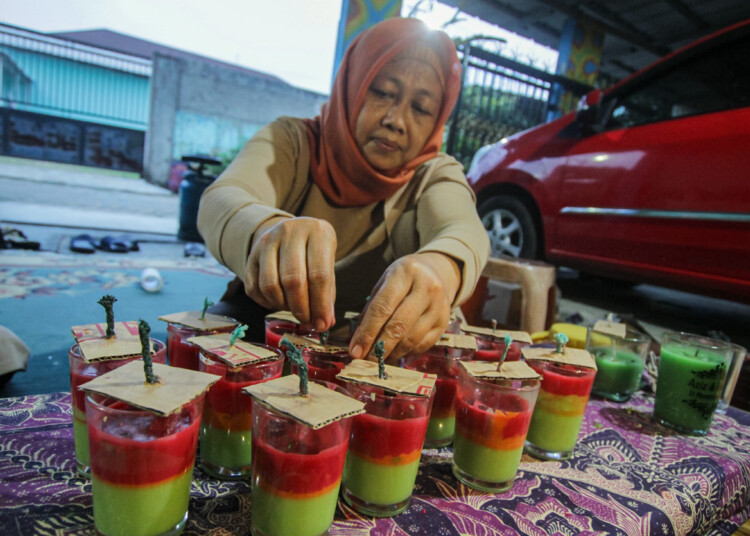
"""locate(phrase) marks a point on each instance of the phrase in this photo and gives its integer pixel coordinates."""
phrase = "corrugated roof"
(637, 31)
(135, 46)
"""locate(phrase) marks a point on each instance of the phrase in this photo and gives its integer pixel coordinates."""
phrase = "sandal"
(15, 239)
(84, 243)
(113, 245)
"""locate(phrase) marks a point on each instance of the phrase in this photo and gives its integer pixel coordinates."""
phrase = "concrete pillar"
(165, 101)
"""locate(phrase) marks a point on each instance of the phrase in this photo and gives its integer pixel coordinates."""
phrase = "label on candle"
(300, 341)
(570, 356)
(320, 407)
(236, 355)
(192, 319)
(512, 370)
(287, 316)
(176, 386)
(461, 342)
(610, 328)
(95, 346)
(398, 380)
(519, 336)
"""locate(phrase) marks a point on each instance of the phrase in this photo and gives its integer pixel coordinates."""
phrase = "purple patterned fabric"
(629, 476)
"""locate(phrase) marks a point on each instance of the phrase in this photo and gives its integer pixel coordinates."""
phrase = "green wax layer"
(140, 510)
(619, 373)
(440, 428)
(81, 437)
(224, 448)
(274, 515)
(379, 484)
(689, 386)
(484, 463)
(554, 432)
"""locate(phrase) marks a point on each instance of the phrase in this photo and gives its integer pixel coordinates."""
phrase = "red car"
(648, 182)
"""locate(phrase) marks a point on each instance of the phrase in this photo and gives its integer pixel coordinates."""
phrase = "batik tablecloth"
(629, 476)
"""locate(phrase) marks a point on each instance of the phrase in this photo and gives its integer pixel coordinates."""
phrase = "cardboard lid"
(241, 353)
(462, 342)
(301, 341)
(610, 328)
(95, 346)
(518, 336)
(511, 370)
(287, 316)
(176, 386)
(399, 380)
(570, 356)
(192, 319)
(320, 407)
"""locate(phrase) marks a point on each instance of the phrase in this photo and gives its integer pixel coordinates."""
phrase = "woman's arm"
(410, 306)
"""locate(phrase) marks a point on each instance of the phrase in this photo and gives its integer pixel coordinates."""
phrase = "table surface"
(628, 476)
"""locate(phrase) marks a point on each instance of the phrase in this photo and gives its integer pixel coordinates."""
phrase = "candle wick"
(206, 304)
(238, 332)
(148, 367)
(107, 301)
(380, 354)
(508, 341)
(295, 356)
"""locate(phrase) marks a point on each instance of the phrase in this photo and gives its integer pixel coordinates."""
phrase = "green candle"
(618, 373)
(688, 387)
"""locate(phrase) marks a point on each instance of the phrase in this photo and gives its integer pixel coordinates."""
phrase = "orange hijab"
(336, 163)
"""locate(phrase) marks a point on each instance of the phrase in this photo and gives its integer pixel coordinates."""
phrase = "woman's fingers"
(321, 256)
(290, 266)
(409, 309)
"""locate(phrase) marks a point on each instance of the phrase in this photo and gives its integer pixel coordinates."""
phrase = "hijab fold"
(336, 163)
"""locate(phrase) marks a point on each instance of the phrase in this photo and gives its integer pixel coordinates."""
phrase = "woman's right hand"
(290, 267)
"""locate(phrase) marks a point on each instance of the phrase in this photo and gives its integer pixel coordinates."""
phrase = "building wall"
(198, 107)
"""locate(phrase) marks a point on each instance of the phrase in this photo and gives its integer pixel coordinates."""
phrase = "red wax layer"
(227, 396)
(446, 369)
(376, 437)
(504, 428)
(296, 466)
(564, 380)
(493, 352)
(323, 366)
(118, 458)
(182, 354)
(276, 329)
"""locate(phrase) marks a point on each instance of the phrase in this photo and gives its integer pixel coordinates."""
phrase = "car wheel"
(511, 227)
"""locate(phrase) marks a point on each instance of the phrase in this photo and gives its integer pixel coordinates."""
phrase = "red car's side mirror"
(589, 109)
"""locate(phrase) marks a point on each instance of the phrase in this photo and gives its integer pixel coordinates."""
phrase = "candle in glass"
(692, 369)
(620, 359)
(493, 411)
(567, 378)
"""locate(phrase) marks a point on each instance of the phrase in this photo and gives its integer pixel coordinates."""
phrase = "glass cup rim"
(268, 362)
(527, 388)
(92, 397)
(631, 335)
(383, 395)
(704, 341)
(159, 345)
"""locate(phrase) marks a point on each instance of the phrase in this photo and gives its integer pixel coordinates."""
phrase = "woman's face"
(398, 114)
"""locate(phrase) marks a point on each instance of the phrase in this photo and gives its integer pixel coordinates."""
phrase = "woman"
(316, 215)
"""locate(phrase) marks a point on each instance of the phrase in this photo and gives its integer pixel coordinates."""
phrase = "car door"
(664, 189)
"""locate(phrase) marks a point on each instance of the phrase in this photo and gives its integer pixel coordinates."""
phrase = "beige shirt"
(435, 211)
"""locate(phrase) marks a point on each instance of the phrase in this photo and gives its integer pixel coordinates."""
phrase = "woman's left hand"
(410, 306)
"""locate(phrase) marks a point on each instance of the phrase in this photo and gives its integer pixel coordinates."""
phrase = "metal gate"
(499, 97)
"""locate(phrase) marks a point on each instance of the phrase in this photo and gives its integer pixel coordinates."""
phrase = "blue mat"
(41, 304)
